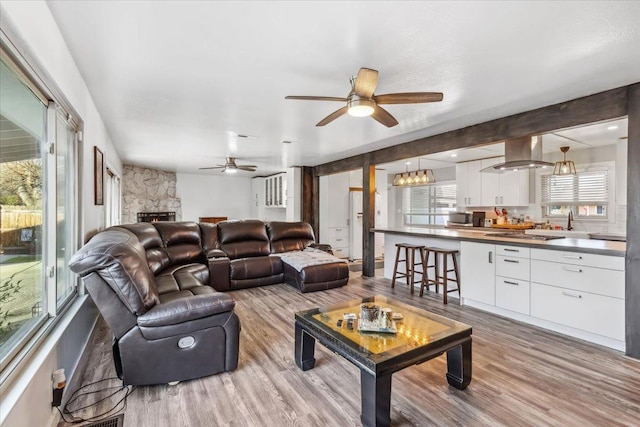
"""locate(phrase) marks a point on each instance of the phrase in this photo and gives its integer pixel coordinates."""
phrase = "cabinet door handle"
(511, 283)
(515, 261)
(338, 240)
(573, 270)
(567, 294)
(501, 201)
(511, 250)
(338, 229)
(490, 257)
(572, 256)
(496, 200)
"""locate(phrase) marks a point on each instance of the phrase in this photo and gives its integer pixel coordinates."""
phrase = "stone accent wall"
(148, 190)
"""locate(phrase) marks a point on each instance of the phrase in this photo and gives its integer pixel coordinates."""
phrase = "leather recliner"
(149, 284)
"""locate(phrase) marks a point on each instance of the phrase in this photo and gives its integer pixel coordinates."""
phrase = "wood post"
(632, 260)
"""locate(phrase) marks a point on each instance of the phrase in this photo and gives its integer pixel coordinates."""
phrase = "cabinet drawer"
(338, 241)
(338, 232)
(341, 252)
(580, 278)
(581, 310)
(517, 268)
(578, 258)
(512, 251)
(512, 294)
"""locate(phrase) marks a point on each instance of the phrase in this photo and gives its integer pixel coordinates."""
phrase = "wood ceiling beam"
(605, 105)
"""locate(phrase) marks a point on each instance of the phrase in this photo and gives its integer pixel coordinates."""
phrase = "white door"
(355, 224)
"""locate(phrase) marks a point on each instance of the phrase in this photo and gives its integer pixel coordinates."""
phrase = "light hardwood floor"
(522, 375)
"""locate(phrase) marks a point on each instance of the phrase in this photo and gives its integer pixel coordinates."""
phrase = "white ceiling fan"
(231, 166)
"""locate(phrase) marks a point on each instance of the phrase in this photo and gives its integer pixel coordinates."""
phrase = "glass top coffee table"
(420, 336)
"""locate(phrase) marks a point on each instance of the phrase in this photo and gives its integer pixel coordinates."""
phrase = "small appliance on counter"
(478, 218)
(460, 218)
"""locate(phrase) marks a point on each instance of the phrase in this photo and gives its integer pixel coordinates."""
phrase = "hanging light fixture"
(418, 177)
(565, 167)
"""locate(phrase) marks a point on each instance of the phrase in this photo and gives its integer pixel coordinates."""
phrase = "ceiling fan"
(362, 102)
(230, 166)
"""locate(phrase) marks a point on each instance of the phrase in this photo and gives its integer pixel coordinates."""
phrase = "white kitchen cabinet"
(512, 278)
(477, 272)
(589, 312)
(275, 191)
(468, 184)
(513, 294)
(580, 290)
(338, 238)
(510, 188)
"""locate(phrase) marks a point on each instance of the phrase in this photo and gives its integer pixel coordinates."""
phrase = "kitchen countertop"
(602, 247)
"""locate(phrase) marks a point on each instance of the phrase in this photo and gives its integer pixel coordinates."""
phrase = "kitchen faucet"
(569, 218)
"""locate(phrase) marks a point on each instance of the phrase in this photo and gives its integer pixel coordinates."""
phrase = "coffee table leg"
(459, 365)
(376, 399)
(305, 347)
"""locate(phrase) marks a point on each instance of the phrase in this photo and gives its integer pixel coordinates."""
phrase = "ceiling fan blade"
(366, 82)
(213, 167)
(247, 168)
(317, 98)
(408, 98)
(384, 117)
(331, 117)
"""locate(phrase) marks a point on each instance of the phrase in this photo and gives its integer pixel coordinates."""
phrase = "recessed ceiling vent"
(521, 153)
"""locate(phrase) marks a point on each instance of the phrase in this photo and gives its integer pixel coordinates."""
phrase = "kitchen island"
(571, 286)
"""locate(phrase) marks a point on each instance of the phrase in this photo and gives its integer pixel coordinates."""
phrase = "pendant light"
(565, 167)
(418, 177)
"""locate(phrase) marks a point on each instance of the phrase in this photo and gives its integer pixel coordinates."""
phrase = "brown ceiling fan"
(230, 166)
(362, 102)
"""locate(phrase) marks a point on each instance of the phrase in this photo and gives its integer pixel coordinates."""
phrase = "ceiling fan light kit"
(565, 167)
(360, 107)
(362, 102)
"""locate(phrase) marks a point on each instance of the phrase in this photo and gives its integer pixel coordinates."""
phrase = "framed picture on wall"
(98, 176)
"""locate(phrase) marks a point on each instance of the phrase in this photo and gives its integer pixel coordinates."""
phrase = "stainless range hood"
(521, 153)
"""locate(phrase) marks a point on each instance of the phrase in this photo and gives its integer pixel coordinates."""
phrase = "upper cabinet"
(469, 184)
(510, 188)
(275, 191)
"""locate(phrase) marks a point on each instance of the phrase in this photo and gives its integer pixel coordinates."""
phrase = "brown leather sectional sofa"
(158, 286)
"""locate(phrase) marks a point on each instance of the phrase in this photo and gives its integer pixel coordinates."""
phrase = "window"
(586, 194)
(112, 198)
(38, 209)
(429, 204)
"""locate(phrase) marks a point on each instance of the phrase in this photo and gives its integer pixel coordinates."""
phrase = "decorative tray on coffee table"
(373, 327)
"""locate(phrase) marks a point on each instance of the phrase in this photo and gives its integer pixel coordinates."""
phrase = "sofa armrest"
(215, 253)
(219, 273)
(186, 309)
(323, 247)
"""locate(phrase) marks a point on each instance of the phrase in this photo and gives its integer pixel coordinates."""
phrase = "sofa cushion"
(240, 239)
(289, 236)
(119, 258)
(252, 268)
(182, 277)
(157, 257)
(182, 241)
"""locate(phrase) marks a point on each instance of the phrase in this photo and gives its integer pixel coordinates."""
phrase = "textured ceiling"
(176, 81)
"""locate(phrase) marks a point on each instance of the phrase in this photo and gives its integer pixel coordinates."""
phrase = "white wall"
(214, 195)
(26, 400)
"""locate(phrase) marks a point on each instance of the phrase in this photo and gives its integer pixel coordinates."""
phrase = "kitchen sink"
(524, 236)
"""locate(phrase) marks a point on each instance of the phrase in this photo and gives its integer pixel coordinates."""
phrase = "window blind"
(583, 188)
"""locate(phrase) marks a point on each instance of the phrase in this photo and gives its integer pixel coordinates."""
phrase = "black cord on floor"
(120, 405)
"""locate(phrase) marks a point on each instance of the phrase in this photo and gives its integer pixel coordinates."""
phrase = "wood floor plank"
(522, 375)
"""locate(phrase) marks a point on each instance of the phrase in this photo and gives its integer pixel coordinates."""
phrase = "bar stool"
(441, 276)
(409, 262)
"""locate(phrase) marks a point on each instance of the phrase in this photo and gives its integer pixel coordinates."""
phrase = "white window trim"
(610, 166)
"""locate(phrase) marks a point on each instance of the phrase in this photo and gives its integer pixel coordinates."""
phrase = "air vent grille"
(116, 421)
